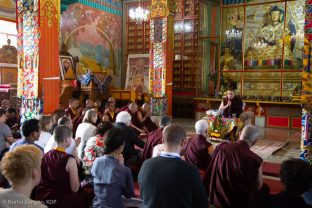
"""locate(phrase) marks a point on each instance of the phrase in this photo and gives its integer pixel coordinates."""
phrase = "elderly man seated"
(196, 150)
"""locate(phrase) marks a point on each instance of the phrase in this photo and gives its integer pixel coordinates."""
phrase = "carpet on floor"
(274, 184)
(265, 148)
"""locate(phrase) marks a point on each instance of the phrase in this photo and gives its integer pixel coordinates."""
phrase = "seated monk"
(231, 105)
(145, 117)
(110, 114)
(196, 150)
(154, 138)
(74, 112)
(112, 99)
(59, 176)
(234, 174)
(136, 124)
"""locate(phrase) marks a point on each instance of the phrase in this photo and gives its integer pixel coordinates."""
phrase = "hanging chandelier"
(138, 14)
(233, 34)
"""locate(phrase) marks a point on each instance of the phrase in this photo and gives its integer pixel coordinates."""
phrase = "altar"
(220, 128)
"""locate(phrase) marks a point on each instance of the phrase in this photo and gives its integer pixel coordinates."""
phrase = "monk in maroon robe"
(231, 105)
(59, 186)
(154, 138)
(196, 149)
(234, 174)
(145, 117)
(74, 112)
(110, 114)
(136, 124)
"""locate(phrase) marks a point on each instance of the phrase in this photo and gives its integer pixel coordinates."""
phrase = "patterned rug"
(265, 148)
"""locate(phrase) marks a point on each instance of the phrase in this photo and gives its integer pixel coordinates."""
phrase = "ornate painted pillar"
(38, 48)
(161, 55)
(306, 93)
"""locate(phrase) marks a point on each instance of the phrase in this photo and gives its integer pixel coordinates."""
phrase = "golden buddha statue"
(227, 60)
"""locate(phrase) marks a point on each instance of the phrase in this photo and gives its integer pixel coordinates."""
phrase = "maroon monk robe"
(231, 178)
(135, 121)
(195, 151)
(148, 123)
(110, 118)
(76, 122)
(154, 138)
(54, 187)
(124, 108)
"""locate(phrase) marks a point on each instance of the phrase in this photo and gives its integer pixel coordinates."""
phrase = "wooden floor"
(290, 150)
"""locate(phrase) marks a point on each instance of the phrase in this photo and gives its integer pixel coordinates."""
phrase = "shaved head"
(250, 134)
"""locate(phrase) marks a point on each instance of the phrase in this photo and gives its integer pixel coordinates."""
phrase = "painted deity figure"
(273, 35)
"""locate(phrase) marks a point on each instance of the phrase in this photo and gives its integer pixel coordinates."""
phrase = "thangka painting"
(138, 73)
(94, 37)
(271, 33)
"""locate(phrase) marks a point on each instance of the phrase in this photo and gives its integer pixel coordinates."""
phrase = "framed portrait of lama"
(67, 69)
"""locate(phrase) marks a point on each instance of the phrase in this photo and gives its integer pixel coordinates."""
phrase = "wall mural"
(94, 37)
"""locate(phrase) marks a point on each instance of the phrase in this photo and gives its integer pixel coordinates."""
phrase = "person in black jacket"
(167, 180)
(131, 155)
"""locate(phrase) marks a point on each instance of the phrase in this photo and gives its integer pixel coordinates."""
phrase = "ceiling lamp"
(138, 14)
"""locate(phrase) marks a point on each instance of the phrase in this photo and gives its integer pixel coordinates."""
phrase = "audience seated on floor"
(197, 150)
(46, 125)
(31, 131)
(144, 117)
(86, 130)
(95, 147)
(234, 174)
(155, 138)
(111, 178)
(6, 137)
(22, 168)
(59, 179)
(296, 176)
(72, 149)
(131, 155)
(167, 180)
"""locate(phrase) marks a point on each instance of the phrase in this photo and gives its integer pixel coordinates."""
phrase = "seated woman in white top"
(22, 167)
(86, 130)
(46, 125)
